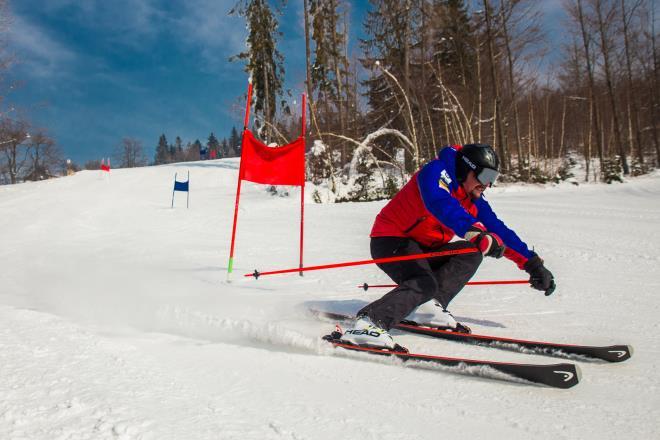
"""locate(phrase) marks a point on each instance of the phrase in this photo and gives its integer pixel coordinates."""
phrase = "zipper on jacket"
(419, 220)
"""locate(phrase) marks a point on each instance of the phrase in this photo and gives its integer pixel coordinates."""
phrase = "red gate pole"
(257, 274)
(302, 189)
(230, 266)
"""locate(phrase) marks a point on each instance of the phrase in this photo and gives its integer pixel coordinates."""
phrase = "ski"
(613, 353)
(555, 375)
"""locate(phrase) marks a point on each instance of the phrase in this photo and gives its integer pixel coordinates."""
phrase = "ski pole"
(256, 274)
(366, 286)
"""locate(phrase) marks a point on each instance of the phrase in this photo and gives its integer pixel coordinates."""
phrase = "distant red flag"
(105, 167)
(283, 165)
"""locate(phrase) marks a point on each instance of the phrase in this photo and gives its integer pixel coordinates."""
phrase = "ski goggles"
(487, 176)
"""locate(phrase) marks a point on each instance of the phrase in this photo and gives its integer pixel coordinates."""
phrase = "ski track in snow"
(116, 320)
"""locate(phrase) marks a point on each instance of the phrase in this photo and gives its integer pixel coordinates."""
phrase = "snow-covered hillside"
(116, 320)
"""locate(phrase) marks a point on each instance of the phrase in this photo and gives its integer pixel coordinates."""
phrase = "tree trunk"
(605, 49)
(267, 119)
(546, 126)
(530, 136)
(498, 137)
(480, 87)
(654, 91)
(12, 159)
(632, 101)
(592, 96)
(406, 49)
(512, 88)
(308, 61)
(587, 152)
(338, 80)
(562, 129)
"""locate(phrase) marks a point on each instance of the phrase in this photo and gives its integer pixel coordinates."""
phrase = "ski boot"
(432, 314)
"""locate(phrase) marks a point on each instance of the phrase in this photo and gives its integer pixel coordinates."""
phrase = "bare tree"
(13, 133)
(627, 12)
(93, 164)
(44, 156)
(129, 153)
(519, 24)
(479, 81)
(606, 14)
(308, 73)
(497, 111)
(577, 11)
(648, 58)
(5, 59)
(330, 84)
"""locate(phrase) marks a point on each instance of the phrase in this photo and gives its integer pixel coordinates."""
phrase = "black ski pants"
(419, 280)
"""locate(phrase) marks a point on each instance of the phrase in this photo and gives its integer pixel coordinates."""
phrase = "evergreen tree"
(162, 151)
(224, 147)
(393, 43)
(235, 141)
(452, 78)
(213, 146)
(453, 48)
(195, 152)
(263, 61)
(331, 78)
(178, 149)
(324, 22)
(418, 52)
(172, 150)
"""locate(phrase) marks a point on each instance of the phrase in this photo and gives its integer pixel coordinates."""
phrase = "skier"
(443, 199)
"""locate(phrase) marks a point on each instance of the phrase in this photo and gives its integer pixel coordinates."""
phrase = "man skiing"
(443, 199)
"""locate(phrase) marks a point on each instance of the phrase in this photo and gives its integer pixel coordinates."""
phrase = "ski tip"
(578, 374)
(627, 353)
(566, 376)
(618, 353)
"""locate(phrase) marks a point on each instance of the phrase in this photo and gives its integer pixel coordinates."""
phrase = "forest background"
(427, 73)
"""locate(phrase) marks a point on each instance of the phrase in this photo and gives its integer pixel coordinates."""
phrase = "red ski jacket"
(433, 207)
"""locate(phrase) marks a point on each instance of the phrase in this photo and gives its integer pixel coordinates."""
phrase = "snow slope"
(116, 320)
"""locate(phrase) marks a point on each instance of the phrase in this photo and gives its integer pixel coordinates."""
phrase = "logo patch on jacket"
(444, 175)
(444, 180)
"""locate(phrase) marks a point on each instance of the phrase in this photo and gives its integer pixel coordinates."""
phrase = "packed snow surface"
(117, 320)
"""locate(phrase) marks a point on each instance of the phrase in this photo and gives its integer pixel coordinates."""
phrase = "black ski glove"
(540, 278)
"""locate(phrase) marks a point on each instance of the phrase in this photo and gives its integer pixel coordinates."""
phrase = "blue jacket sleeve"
(517, 250)
(437, 198)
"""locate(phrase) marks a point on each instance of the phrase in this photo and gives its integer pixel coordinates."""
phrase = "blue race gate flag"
(182, 186)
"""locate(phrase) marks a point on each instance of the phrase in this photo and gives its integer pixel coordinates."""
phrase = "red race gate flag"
(283, 165)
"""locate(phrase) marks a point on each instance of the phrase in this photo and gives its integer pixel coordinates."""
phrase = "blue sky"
(95, 71)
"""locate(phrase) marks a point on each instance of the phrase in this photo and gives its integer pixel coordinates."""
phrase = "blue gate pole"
(173, 190)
